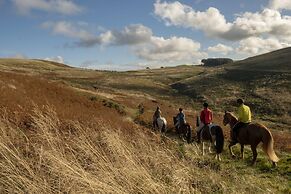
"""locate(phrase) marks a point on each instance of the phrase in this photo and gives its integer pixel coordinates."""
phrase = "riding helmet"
(205, 104)
(240, 101)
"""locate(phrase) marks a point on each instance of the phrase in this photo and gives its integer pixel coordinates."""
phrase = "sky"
(135, 34)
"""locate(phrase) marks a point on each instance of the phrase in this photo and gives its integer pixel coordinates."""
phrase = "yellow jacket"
(244, 114)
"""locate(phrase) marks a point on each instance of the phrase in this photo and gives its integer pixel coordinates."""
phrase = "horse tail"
(164, 128)
(268, 143)
(189, 133)
(219, 139)
(197, 121)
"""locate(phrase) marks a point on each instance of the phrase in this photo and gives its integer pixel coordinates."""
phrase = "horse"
(212, 133)
(161, 124)
(252, 135)
(184, 130)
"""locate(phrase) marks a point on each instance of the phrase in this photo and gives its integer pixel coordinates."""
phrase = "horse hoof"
(274, 164)
(233, 156)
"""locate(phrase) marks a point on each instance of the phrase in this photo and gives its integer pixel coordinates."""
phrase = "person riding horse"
(206, 117)
(244, 118)
(156, 115)
(180, 118)
(183, 128)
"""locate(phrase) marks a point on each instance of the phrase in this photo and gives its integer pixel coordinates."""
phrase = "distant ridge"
(14, 63)
(54, 63)
(277, 61)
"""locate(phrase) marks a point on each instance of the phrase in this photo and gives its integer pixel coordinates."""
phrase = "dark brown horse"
(252, 134)
(184, 131)
(212, 133)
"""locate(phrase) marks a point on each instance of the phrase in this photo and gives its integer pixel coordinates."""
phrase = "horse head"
(229, 118)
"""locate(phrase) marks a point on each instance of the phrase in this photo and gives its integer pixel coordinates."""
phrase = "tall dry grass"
(79, 159)
(54, 156)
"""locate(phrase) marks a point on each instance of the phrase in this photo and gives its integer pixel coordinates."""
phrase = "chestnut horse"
(252, 134)
(184, 131)
(212, 133)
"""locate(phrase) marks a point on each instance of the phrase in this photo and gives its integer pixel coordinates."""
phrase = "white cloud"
(130, 35)
(268, 21)
(178, 14)
(11, 54)
(66, 7)
(213, 23)
(280, 4)
(220, 48)
(68, 29)
(115, 67)
(57, 59)
(140, 38)
(171, 49)
(19, 56)
(256, 45)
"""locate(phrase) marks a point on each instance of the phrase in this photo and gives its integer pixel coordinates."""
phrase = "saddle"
(240, 126)
(236, 130)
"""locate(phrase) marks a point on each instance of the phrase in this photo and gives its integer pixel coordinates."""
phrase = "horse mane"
(232, 115)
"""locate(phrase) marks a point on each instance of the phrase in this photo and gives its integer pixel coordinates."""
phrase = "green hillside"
(276, 61)
(73, 130)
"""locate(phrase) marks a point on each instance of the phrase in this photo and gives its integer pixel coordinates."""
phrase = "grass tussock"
(67, 157)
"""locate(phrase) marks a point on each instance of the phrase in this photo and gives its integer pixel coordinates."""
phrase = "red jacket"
(206, 116)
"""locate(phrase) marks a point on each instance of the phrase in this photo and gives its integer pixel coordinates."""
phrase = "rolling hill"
(276, 61)
(75, 130)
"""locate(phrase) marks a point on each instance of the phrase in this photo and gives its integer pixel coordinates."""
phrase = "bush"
(216, 61)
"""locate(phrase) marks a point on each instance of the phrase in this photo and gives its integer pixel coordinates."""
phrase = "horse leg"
(217, 157)
(163, 128)
(230, 150)
(209, 148)
(274, 164)
(189, 135)
(242, 151)
(255, 154)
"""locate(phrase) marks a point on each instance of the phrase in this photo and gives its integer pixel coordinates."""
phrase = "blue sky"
(132, 34)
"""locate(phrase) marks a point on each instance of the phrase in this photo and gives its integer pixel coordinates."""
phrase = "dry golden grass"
(98, 158)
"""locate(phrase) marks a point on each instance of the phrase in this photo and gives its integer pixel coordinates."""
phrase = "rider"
(244, 118)
(206, 117)
(180, 118)
(156, 115)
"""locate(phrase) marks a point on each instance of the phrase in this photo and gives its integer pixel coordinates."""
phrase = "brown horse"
(184, 131)
(252, 134)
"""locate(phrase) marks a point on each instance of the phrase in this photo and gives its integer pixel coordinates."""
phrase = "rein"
(233, 122)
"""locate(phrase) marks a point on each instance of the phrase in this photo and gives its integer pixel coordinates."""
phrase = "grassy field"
(53, 156)
(74, 130)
